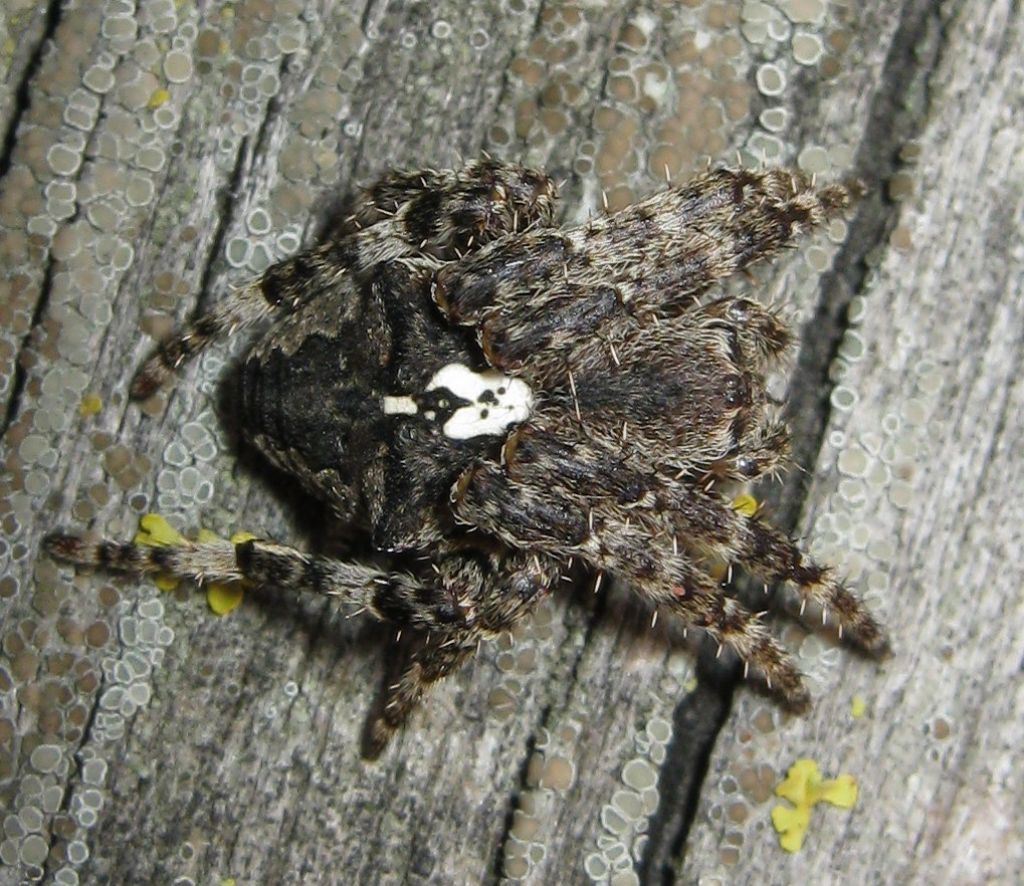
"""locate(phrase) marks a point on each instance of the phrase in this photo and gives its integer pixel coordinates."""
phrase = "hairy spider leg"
(580, 499)
(491, 197)
(531, 512)
(469, 208)
(504, 597)
(399, 597)
(767, 553)
(456, 614)
(429, 663)
(654, 258)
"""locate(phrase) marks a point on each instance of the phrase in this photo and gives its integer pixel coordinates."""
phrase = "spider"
(491, 399)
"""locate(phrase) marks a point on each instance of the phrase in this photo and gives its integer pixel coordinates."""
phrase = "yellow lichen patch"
(804, 787)
(223, 598)
(791, 822)
(857, 707)
(745, 504)
(158, 98)
(90, 405)
(154, 530)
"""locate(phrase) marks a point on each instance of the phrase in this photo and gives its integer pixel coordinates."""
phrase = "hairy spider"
(491, 398)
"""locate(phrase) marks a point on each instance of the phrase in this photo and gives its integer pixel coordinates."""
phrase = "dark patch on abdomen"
(306, 403)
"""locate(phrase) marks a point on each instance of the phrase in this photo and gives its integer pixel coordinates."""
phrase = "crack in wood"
(22, 95)
(894, 119)
(17, 387)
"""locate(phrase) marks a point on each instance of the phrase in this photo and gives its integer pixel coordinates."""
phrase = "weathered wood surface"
(142, 739)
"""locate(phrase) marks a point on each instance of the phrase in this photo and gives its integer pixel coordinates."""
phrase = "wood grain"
(146, 154)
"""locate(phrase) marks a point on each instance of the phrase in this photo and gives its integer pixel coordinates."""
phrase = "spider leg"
(398, 597)
(501, 598)
(462, 604)
(431, 662)
(654, 257)
(439, 215)
(681, 588)
(536, 462)
(485, 197)
(242, 309)
(540, 512)
(282, 289)
(767, 553)
(387, 194)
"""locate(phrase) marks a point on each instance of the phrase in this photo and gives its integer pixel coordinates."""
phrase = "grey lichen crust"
(491, 400)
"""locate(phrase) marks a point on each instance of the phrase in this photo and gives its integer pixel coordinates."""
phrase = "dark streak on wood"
(266, 785)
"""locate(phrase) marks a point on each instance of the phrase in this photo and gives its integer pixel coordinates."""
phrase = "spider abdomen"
(377, 404)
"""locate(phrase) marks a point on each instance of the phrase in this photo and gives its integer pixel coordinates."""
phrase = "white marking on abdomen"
(399, 405)
(511, 401)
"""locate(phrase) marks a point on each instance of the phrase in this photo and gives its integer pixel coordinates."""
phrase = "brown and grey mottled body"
(490, 399)
(427, 214)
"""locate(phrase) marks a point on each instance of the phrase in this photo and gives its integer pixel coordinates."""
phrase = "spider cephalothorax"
(491, 398)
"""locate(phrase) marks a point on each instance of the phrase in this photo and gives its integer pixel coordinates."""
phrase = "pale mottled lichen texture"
(172, 150)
